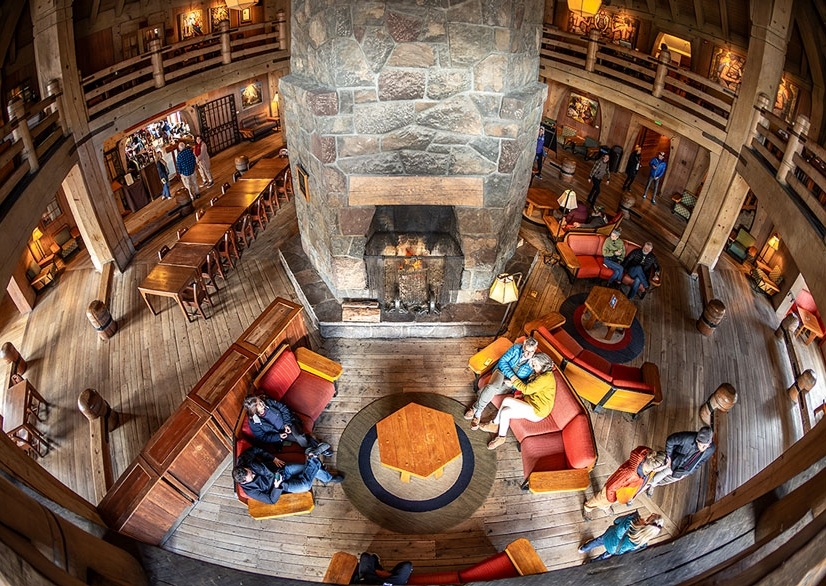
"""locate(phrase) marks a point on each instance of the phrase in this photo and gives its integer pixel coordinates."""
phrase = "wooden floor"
(148, 367)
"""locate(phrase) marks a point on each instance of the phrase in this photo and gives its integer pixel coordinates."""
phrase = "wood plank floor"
(148, 367)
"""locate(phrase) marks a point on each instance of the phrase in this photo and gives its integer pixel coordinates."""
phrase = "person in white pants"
(186, 162)
(202, 156)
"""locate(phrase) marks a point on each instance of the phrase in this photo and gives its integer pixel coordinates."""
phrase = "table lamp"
(567, 201)
(505, 290)
(772, 244)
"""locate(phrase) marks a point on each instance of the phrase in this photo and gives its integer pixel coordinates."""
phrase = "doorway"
(219, 124)
(651, 142)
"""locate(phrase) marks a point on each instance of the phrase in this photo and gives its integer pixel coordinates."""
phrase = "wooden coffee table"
(598, 304)
(540, 198)
(417, 441)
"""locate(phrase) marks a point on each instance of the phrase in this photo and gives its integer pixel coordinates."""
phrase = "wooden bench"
(289, 504)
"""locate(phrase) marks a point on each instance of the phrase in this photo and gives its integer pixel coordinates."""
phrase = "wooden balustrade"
(129, 79)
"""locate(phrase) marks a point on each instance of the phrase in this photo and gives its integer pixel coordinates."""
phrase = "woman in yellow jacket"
(536, 403)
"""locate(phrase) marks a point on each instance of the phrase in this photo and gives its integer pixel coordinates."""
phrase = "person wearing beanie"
(686, 451)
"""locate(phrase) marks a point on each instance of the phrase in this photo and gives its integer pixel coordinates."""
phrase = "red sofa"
(604, 384)
(582, 257)
(558, 452)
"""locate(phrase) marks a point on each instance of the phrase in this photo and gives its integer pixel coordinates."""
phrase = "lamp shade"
(504, 288)
(568, 199)
(37, 234)
(240, 4)
(774, 242)
(584, 7)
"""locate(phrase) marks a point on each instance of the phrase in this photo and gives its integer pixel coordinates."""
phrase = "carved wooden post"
(800, 129)
(17, 112)
(664, 59)
(722, 400)
(761, 104)
(102, 419)
(226, 45)
(804, 383)
(53, 89)
(593, 47)
(281, 19)
(10, 354)
(157, 63)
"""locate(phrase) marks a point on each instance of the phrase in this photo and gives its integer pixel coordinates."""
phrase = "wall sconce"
(505, 290)
(274, 105)
(584, 8)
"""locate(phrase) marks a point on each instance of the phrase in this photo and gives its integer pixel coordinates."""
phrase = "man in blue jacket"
(658, 166)
(514, 364)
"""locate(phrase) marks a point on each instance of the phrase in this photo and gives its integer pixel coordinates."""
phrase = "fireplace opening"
(413, 257)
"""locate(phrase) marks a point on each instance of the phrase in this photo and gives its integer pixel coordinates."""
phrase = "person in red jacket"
(629, 479)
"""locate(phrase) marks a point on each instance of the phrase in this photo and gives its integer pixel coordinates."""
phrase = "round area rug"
(622, 347)
(430, 505)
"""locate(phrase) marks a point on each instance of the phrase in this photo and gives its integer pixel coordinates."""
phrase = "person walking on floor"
(540, 152)
(627, 533)
(638, 265)
(628, 480)
(163, 173)
(534, 402)
(613, 253)
(186, 163)
(687, 451)
(632, 167)
(658, 166)
(515, 363)
(202, 156)
(599, 171)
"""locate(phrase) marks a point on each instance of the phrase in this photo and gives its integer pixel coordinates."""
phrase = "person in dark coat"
(628, 533)
(638, 265)
(686, 451)
(599, 171)
(370, 571)
(632, 167)
(540, 152)
(163, 173)
(265, 478)
(272, 423)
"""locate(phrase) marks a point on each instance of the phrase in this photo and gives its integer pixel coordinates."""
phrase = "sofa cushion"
(562, 341)
(446, 577)
(309, 395)
(585, 244)
(566, 405)
(579, 443)
(590, 267)
(543, 453)
(628, 377)
(280, 376)
(594, 364)
(496, 567)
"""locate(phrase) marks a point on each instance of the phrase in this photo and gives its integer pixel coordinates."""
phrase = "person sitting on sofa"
(628, 480)
(534, 402)
(264, 478)
(577, 215)
(272, 423)
(514, 364)
(638, 265)
(613, 253)
(595, 220)
(370, 571)
(628, 533)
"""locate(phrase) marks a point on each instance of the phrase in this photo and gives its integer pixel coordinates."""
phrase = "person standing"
(613, 253)
(628, 533)
(658, 166)
(686, 451)
(632, 167)
(629, 479)
(513, 363)
(599, 171)
(540, 152)
(202, 156)
(163, 173)
(638, 265)
(186, 162)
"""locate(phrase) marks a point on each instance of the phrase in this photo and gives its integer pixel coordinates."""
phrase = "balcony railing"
(680, 87)
(26, 140)
(129, 79)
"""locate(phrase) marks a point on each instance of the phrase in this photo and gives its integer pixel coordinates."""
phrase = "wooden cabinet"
(280, 322)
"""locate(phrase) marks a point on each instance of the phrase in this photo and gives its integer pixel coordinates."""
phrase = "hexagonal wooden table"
(417, 441)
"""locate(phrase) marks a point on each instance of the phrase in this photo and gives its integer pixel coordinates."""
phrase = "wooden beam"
(698, 13)
(10, 20)
(724, 19)
(93, 16)
(370, 190)
(672, 5)
(119, 7)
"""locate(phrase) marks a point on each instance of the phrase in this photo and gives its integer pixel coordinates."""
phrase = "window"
(52, 212)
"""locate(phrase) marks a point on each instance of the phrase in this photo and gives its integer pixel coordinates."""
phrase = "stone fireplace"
(416, 126)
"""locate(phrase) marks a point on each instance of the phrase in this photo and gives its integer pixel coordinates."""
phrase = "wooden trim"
(400, 190)
(524, 558)
(341, 569)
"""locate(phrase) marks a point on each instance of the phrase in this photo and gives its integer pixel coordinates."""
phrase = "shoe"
(319, 450)
(474, 423)
(496, 442)
(642, 295)
(329, 453)
(653, 201)
(643, 197)
(469, 414)
(539, 176)
(581, 550)
(197, 195)
(337, 479)
(649, 492)
(490, 427)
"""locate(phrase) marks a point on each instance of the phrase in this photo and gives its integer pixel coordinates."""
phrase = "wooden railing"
(129, 79)
(680, 87)
(26, 140)
(798, 161)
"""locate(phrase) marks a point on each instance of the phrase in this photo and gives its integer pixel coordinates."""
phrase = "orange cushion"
(562, 341)
(280, 376)
(309, 395)
(566, 405)
(579, 443)
(594, 364)
(628, 377)
(495, 567)
(543, 453)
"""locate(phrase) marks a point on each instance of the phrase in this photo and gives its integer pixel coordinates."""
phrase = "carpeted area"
(623, 347)
(429, 505)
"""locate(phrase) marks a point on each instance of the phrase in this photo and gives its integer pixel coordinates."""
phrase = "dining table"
(187, 254)
(267, 169)
(222, 214)
(205, 233)
(166, 280)
(250, 185)
(235, 199)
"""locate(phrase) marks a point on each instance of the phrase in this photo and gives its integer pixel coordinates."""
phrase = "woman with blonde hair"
(628, 533)
(629, 479)
(535, 404)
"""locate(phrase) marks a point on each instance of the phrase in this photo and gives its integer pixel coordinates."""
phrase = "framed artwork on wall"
(216, 15)
(303, 181)
(582, 109)
(190, 24)
(727, 68)
(246, 16)
(786, 100)
(252, 95)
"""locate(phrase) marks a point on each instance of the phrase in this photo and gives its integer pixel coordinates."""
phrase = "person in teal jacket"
(514, 363)
(628, 533)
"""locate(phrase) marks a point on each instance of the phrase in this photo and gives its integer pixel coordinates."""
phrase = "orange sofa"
(554, 228)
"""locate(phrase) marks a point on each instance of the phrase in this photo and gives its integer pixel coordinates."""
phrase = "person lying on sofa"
(628, 480)
(272, 423)
(514, 364)
(613, 254)
(535, 403)
(264, 477)
(638, 265)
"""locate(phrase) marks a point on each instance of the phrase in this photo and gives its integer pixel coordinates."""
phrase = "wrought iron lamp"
(567, 201)
(505, 290)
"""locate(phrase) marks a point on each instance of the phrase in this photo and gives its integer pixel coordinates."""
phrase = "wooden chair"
(284, 153)
(236, 176)
(181, 232)
(259, 214)
(243, 229)
(225, 187)
(211, 269)
(227, 250)
(269, 200)
(213, 201)
(164, 249)
(285, 190)
(195, 296)
(199, 214)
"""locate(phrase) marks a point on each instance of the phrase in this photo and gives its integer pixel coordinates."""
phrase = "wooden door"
(218, 120)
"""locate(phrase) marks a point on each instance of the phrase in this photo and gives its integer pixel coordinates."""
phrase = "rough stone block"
(443, 83)
(480, 251)
(377, 46)
(356, 220)
(352, 67)
(456, 114)
(353, 146)
(381, 164)
(379, 118)
(349, 273)
(404, 27)
(467, 161)
(401, 85)
(491, 74)
(420, 163)
(412, 55)
(323, 148)
(473, 220)
(511, 149)
(469, 43)
(410, 137)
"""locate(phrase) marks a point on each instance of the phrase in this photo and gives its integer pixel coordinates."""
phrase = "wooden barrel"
(183, 201)
(711, 318)
(627, 202)
(10, 354)
(723, 399)
(804, 383)
(788, 324)
(101, 319)
(568, 170)
(242, 163)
